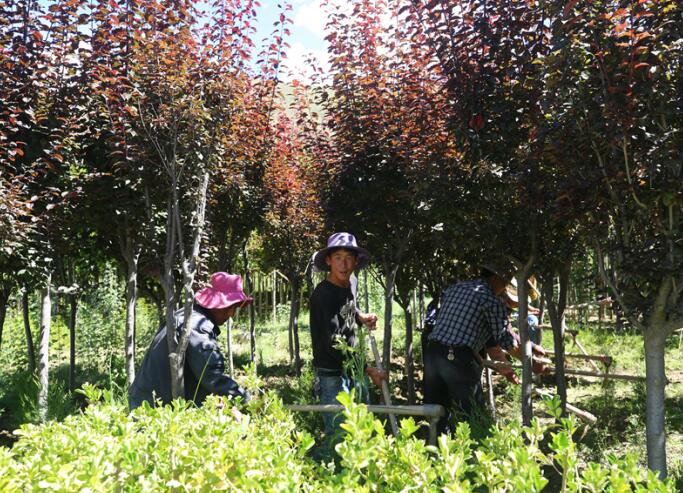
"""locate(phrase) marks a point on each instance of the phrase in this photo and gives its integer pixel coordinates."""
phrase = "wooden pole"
(603, 358)
(274, 297)
(385, 385)
(489, 390)
(615, 376)
(581, 414)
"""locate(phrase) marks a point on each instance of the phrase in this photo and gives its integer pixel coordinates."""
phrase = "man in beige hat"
(472, 318)
(204, 362)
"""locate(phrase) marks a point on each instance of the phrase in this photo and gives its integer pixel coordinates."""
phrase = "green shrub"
(183, 448)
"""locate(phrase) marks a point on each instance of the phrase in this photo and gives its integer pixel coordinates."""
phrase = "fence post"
(274, 276)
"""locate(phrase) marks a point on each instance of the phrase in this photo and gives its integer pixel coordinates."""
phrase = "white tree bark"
(522, 294)
(132, 256)
(390, 282)
(44, 348)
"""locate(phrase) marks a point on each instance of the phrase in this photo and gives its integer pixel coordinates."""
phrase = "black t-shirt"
(329, 304)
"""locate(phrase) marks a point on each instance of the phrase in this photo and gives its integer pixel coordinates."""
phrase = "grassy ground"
(619, 406)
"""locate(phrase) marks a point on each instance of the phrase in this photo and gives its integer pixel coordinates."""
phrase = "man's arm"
(208, 365)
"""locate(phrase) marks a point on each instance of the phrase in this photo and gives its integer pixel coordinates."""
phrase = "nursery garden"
(145, 145)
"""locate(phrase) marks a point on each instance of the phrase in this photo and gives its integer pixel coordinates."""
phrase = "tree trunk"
(43, 349)
(557, 320)
(252, 315)
(366, 294)
(410, 366)
(168, 285)
(231, 364)
(25, 309)
(290, 333)
(390, 281)
(522, 293)
(73, 313)
(294, 323)
(189, 267)
(274, 297)
(655, 340)
(4, 298)
(132, 255)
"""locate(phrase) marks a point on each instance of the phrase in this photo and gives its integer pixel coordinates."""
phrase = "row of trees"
(458, 131)
(464, 130)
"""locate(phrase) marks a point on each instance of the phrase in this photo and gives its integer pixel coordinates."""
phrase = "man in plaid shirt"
(472, 318)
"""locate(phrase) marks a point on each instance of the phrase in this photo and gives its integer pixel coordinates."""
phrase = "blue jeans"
(534, 331)
(532, 323)
(330, 387)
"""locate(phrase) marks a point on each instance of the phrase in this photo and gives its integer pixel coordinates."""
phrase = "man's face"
(342, 263)
(498, 285)
(222, 315)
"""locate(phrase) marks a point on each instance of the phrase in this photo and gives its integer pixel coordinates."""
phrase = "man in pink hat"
(204, 362)
(331, 300)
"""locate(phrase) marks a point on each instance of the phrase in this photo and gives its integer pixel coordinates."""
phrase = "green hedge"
(181, 448)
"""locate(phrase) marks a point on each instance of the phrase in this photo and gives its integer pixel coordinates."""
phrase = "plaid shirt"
(471, 315)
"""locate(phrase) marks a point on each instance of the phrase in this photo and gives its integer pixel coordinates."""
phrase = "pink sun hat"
(225, 290)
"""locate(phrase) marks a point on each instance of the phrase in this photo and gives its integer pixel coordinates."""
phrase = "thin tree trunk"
(5, 293)
(231, 367)
(410, 366)
(390, 281)
(294, 316)
(73, 314)
(366, 294)
(421, 306)
(168, 285)
(541, 311)
(132, 256)
(25, 309)
(290, 332)
(189, 265)
(252, 315)
(274, 297)
(522, 291)
(44, 348)
(557, 320)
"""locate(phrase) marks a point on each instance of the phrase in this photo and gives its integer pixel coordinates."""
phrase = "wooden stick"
(567, 371)
(583, 415)
(603, 358)
(489, 390)
(385, 386)
(585, 353)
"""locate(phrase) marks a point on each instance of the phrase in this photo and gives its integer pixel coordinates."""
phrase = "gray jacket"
(204, 365)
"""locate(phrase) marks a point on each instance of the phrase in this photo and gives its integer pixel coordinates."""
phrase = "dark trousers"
(455, 384)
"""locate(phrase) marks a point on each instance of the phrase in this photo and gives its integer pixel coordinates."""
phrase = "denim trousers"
(328, 387)
(453, 383)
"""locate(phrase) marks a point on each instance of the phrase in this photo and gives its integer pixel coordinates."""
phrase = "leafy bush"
(182, 448)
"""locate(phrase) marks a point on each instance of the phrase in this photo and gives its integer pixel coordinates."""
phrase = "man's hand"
(537, 350)
(368, 319)
(502, 365)
(376, 375)
(509, 373)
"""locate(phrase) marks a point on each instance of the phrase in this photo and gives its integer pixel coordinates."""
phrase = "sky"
(307, 34)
